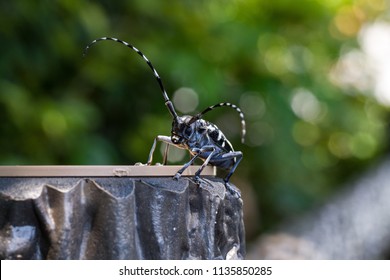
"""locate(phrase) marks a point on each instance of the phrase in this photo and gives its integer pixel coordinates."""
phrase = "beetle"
(200, 137)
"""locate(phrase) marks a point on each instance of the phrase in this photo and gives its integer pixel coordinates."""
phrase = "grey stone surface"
(119, 218)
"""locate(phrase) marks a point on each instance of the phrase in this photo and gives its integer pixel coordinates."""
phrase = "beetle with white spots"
(201, 138)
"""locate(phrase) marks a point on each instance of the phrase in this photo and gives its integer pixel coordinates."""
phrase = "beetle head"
(182, 129)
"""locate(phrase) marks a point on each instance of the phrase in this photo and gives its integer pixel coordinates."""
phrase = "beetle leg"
(160, 138)
(165, 158)
(210, 149)
(237, 155)
(185, 166)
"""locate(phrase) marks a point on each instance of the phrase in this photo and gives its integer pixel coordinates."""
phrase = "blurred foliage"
(306, 135)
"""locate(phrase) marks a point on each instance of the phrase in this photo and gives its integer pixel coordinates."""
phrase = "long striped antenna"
(168, 102)
(242, 117)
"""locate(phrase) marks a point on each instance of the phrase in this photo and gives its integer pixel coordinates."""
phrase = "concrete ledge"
(99, 170)
(145, 217)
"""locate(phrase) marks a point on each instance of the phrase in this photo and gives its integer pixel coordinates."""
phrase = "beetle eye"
(175, 139)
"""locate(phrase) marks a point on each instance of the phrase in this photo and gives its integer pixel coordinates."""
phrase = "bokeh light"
(185, 100)
(306, 106)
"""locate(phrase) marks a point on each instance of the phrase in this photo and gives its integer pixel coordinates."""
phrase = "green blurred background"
(303, 72)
